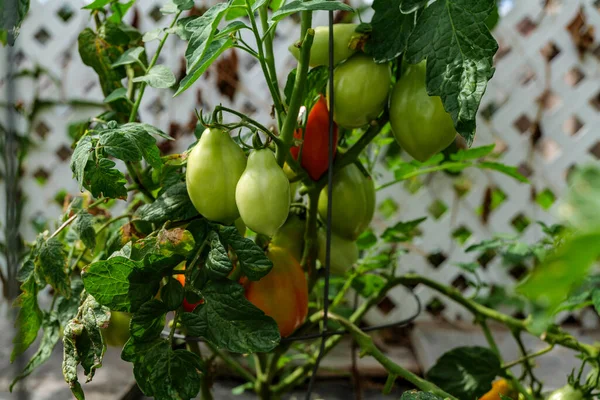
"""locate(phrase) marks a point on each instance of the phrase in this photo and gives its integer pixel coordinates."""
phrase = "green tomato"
(263, 193)
(291, 236)
(419, 122)
(117, 332)
(361, 90)
(566, 392)
(214, 168)
(240, 226)
(319, 51)
(344, 252)
(353, 202)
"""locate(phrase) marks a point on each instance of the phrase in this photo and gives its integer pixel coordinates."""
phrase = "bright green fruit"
(420, 124)
(353, 202)
(361, 89)
(319, 51)
(567, 392)
(263, 193)
(117, 332)
(344, 252)
(214, 167)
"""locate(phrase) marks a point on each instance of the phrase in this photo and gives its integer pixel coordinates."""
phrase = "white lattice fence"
(49, 37)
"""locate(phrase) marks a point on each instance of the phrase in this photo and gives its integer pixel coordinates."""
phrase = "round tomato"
(566, 392)
(117, 332)
(291, 236)
(353, 202)
(283, 293)
(344, 252)
(315, 141)
(500, 387)
(214, 167)
(263, 193)
(361, 90)
(187, 306)
(319, 51)
(419, 122)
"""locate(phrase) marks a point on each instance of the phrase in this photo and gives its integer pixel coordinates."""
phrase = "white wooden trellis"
(48, 38)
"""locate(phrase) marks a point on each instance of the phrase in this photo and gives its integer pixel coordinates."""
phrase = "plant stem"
(138, 182)
(269, 53)
(368, 347)
(274, 89)
(489, 337)
(161, 44)
(232, 363)
(528, 357)
(309, 257)
(290, 122)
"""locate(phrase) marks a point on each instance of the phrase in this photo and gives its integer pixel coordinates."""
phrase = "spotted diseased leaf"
(229, 321)
(390, 30)
(29, 319)
(52, 266)
(104, 180)
(454, 39)
(132, 142)
(252, 258)
(84, 227)
(466, 372)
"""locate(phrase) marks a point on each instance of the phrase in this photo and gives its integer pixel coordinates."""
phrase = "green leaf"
(252, 258)
(513, 172)
(120, 284)
(148, 322)
(402, 231)
(29, 318)
(472, 154)
(50, 337)
(309, 5)
(154, 34)
(453, 37)
(173, 204)
(172, 294)
(12, 14)
(131, 142)
(179, 28)
(26, 270)
(582, 202)
(466, 372)
(96, 5)
(218, 262)
(104, 180)
(315, 85)
(582, 294)
(159, 76)
(80, 157)
(229, 321)
(84, 227)
(548, 285)
(596, 299)
(130, 56)
(390, 30)
(214, 50)
(369, 284)
(120, 146)
(410, 6)
(52, 264)
(231, 28)
(172, 6)
(414, 395)
(117, 94)
(119, 10)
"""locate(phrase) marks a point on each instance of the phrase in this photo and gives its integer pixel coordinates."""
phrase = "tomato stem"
(309, 256)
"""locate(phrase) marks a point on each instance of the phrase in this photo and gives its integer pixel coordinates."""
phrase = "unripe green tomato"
(344, 252)
(566, 392)
(214, 168)
(420, 124)
(117, 332)
(319, 51)
(263, 193)
(353, 202)
(361, 89)
(240, 226)
(291, 236)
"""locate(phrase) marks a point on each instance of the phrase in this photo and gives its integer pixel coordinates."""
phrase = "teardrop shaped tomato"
(361, 89)
(263, 193)
(319, 51)
(214, 167)
(420, 124)
(291, 236)
(283, 293)
(353, 202)
(344, 252)
(315, 144)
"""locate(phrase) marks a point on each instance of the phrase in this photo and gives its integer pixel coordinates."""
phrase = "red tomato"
(187, 306)
(315, 147)
(283, 293)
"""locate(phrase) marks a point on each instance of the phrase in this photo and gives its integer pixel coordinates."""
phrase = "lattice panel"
(510, 107)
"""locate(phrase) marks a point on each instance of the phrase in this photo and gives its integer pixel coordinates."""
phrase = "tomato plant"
(114, 273)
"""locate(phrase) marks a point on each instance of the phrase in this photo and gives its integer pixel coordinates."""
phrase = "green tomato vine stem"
(267, 39)
(290, 122)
